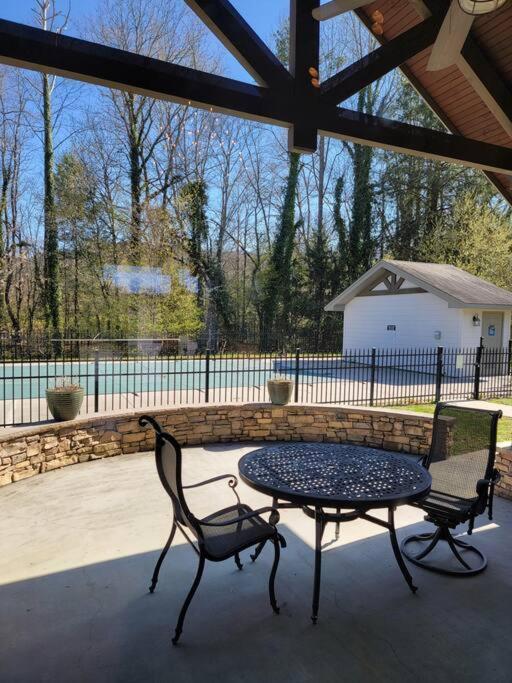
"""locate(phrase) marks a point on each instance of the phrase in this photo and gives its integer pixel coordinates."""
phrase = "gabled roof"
(456, 286)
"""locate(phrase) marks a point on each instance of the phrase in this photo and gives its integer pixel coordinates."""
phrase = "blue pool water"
(30, 380)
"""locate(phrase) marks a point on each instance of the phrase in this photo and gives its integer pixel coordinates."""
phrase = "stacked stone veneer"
(27, 452)
(504, 466)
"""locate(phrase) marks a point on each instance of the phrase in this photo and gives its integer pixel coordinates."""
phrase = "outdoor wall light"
(476, 320)
(477, 7)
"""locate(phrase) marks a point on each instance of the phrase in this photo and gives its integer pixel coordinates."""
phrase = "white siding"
(417, 317)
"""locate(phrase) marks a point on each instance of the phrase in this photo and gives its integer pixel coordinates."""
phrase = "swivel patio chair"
(461, 462)
(218, 536)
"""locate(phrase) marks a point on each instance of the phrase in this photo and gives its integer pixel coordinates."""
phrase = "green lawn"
(504, 425)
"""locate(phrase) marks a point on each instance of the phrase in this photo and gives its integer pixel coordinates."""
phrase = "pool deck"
(78, 546)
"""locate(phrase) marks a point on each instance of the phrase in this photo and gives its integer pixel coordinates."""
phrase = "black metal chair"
(461, 462)
(220, 535)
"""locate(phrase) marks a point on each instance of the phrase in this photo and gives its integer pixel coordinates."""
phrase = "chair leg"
(271, 581)
(188, 600)
(154, 579)
(396, 549)
(237, 562)
(453, 546)
(319, 528)
(254, 556)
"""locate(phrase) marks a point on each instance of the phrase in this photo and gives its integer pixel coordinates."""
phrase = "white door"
(493, 357)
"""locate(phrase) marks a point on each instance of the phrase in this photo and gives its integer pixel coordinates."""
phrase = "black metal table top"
(335, 475)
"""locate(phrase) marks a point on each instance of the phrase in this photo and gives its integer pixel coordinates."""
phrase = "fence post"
(509, 358)
(476, 388)
(96, 380)
(207, 377)
(372, 376)
(297, 364)
(439, 372)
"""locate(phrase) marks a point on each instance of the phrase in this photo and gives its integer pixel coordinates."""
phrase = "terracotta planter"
(64, 405)
(280, 391)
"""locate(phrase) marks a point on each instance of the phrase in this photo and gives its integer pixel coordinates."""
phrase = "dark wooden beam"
(424, 142)
(381, 61)
(499, 90)
(33, 48)
(244, 44)
(304, 53)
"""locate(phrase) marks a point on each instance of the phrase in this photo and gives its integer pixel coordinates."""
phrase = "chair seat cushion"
(221, 542)
(445, 507)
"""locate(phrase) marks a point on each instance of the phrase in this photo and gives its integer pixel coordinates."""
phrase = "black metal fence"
(119, 374)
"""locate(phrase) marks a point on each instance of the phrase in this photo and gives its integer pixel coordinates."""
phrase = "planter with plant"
(280, 390)
(64, 399)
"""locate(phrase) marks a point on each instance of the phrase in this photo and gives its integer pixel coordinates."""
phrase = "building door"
(493, 357)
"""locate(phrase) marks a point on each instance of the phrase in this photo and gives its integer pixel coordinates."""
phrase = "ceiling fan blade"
(335, 7)
(451, 38)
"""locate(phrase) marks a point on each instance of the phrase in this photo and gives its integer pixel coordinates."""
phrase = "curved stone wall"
(25, 452)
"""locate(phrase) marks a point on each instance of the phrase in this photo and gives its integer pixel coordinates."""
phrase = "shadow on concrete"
(98, 622)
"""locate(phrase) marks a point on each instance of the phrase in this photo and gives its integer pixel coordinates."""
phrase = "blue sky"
(263, 15)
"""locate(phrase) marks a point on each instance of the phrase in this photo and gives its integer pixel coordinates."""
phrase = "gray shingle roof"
(457, 283)
(457, 286)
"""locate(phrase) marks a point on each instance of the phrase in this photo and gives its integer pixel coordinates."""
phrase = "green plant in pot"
(64, 399)
(280, 390)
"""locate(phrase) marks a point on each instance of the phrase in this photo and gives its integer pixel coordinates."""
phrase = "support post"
(439, 373)
(207, 377)
(509, 357)
(303, 56)
(372, 376)
(96, 380)
(297, 375)
(476, 388)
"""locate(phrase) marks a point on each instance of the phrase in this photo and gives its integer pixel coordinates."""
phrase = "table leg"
(396, 550)
(337, 530)
(319, 532)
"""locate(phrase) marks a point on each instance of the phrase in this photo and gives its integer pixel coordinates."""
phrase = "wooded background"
(250, 240)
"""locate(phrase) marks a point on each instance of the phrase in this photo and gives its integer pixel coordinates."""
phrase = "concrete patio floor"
(78, 546)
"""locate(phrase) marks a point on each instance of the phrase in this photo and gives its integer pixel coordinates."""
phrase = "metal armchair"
(218, 536)
(461, 463)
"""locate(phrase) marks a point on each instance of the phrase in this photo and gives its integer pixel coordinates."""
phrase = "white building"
(405, 305)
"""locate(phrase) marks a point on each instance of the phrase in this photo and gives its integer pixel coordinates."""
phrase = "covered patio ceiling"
(473, 98)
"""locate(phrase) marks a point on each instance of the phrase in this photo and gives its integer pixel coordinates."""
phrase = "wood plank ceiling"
(456, 94)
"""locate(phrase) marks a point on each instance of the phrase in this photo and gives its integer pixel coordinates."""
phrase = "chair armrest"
(145, 420)
(232, 483)
(482, 487)
(273, 519)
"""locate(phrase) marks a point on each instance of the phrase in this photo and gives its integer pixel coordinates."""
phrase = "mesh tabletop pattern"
(335, 475)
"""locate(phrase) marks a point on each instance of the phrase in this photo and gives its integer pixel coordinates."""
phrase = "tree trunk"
(51, 240)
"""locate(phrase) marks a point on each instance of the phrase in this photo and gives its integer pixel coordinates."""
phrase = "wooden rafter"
(381, 61)
(244, 44)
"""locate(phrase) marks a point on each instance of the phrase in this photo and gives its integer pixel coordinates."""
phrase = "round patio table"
(315, 476)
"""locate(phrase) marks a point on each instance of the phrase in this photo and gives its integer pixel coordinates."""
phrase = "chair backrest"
(168, 465)
(463, 449)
